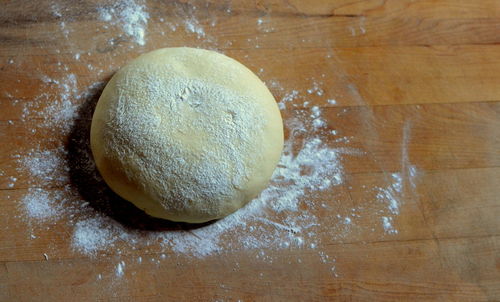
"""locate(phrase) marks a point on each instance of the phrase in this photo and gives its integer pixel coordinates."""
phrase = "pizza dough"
(186, 134)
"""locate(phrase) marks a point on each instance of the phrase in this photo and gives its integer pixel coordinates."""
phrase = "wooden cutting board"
(410, 89)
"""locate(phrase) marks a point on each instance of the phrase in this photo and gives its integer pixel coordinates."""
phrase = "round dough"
(186, 134)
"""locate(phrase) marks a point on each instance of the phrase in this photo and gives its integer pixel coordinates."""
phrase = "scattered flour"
(119, 269)
(46, 166)
(130, 16)
(294, 96)
(285, 215)
(289, 97)
(41, 205)
(362, 28)
(264, 25)
(56, 10)
(94, 234)
(308, 166)
(391, 197)
(387, 224)
(315, 167)
(12, 181)
(316, 89)
(391, 194)
(352, 30)
(193, 26)
(57, 113)
(323, 165)
(318, 121)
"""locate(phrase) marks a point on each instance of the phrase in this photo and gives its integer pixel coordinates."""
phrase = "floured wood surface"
(387, 190)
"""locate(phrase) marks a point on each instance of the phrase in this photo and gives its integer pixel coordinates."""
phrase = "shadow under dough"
(91, 186)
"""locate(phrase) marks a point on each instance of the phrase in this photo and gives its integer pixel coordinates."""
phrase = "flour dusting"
(119, 269)
(388, 227)
(41, 205)
(392, 194)
(324, 168)
(391, 197)
(193, 26)
(289, 214)
(46, 166)
(93, 234)
(320, 199)
(284, 216)
(130, 16)
(233, 138)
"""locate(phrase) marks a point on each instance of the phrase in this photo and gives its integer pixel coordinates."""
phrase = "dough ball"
(186, 134)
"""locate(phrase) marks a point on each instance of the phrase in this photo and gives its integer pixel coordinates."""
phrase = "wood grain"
(353, 77)
(416, 90)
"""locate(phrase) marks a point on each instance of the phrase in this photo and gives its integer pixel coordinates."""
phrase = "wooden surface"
(416, 83)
